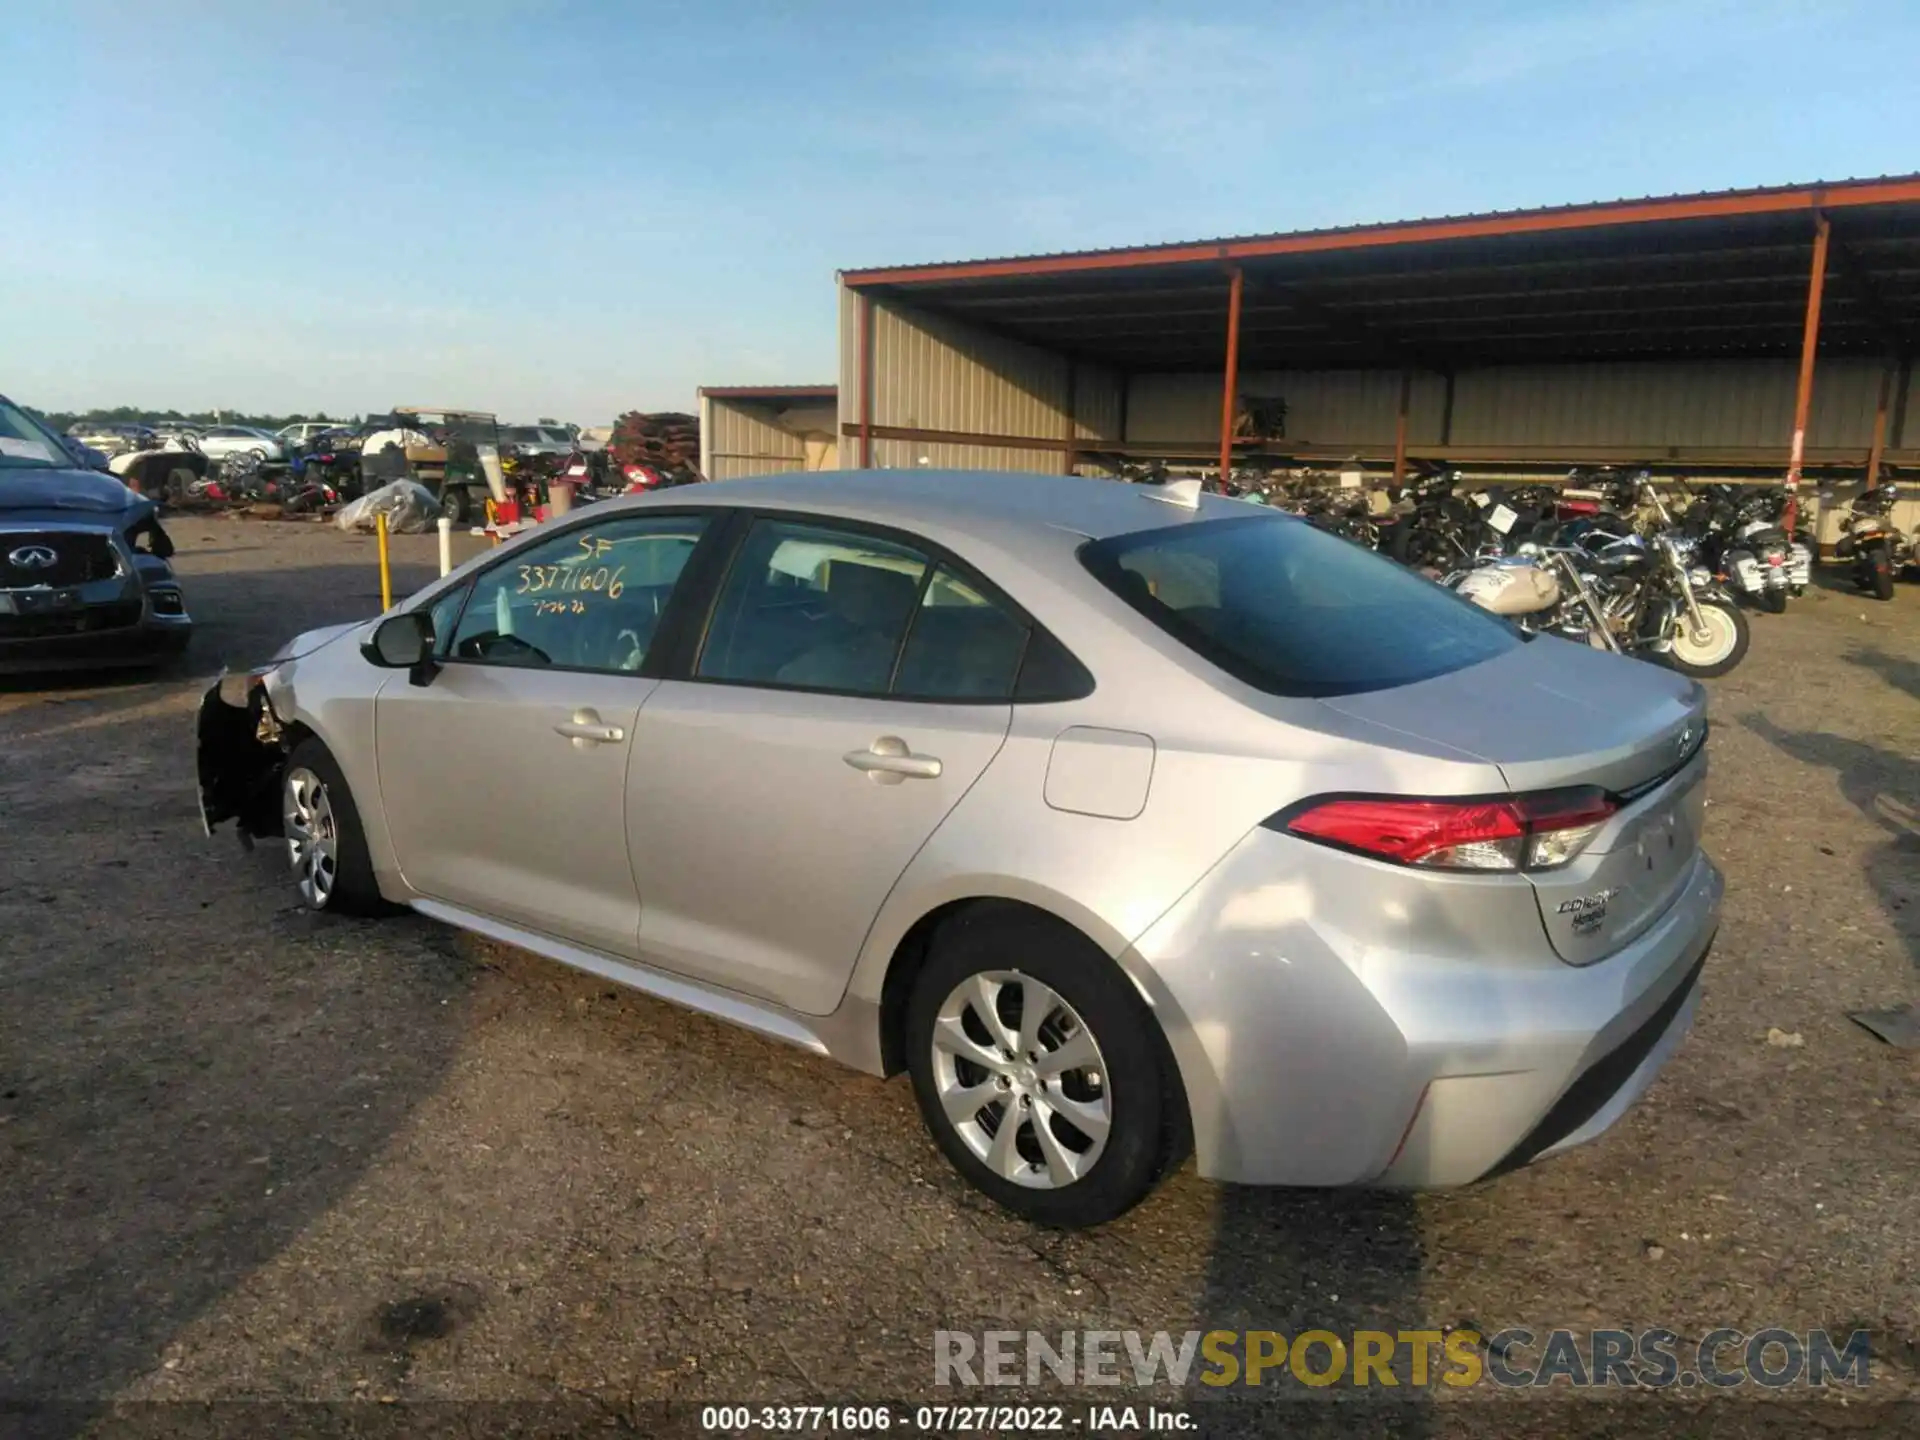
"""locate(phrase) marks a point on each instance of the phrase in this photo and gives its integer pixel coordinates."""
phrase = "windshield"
(25, 444)
(521, 435)
(1292, 610)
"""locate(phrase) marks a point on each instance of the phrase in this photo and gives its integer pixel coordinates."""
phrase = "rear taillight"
(1513, 832)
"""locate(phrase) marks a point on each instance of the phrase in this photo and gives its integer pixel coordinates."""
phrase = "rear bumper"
(1310, 1059)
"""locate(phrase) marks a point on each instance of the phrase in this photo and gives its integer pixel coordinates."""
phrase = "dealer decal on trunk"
(1589, 911)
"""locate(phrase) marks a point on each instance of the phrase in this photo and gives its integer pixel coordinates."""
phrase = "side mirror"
(403, 642)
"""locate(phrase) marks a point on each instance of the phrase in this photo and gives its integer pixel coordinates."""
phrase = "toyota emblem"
(33, 557)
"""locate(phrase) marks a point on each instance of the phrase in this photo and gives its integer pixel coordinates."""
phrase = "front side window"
(588, 599)
(1292, 610)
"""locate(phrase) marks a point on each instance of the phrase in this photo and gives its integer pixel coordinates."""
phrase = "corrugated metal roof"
(1754, 200)
(1722, 274)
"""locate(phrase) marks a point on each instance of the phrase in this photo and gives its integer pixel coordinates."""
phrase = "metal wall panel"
(741, 440)
(909, 455)
(931, 372)
(1745, 403)
(1717, 403)
(1324, 407)
(934, 373)
(1097, 395)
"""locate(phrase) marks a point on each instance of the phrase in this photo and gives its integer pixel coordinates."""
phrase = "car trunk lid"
(1551, 714)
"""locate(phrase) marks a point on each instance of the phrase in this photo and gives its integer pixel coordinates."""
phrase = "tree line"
(65, 420)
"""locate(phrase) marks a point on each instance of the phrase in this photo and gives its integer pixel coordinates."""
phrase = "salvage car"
(1125, 820)
(84, 574)
(221, 442)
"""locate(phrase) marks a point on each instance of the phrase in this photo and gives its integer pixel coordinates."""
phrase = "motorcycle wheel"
(453, 503)
(1724, 647)
(1876, 571)
(1773, 600)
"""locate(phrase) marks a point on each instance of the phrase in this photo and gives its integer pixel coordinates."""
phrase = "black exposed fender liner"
(239, 759)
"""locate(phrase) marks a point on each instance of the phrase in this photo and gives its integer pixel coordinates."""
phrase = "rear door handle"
(889, 760)
(586, 728)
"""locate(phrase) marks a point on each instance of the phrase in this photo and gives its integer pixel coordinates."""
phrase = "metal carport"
(1771, 328)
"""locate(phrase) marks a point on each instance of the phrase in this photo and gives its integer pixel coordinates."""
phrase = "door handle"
(888, 761)
(586, 728)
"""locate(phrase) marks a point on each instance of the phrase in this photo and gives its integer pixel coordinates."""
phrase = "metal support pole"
(1229, 390)
(1400, 427)
(1446, 413)
(1903, 382)
(1073, 416)
(386, 568)
(1879, 445)
(865, 400)
(1809, 342)
(446, 545)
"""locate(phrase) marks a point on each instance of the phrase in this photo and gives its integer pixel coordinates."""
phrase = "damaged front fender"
(241, 755)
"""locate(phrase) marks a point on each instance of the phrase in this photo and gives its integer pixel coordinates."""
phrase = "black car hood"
(85, 491)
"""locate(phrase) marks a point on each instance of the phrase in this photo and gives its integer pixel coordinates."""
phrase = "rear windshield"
(1293, 610)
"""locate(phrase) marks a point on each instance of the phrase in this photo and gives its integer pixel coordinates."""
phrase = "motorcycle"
(1431, 526)
(1640, 595)
(1543, 591)
(1873, 542)
(1743, 537)
(330, 464)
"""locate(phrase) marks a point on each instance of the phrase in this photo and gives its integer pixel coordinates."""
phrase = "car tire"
(326, 844)
(1009, 960)
(453, 503)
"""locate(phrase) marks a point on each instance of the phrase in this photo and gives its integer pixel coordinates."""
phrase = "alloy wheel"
(1021, 1080)
(313, 842)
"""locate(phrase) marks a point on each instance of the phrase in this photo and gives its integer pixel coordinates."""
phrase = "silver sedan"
(1128, 822)
(224, 441)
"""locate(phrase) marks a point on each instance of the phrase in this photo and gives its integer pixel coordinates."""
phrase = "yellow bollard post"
(386, 570)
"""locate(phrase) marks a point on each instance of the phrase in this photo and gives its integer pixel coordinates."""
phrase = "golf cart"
(454, 453)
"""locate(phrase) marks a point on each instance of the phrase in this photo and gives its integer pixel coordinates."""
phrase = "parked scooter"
(1877, 547)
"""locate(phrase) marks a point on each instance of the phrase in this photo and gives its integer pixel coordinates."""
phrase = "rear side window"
(1292, 610)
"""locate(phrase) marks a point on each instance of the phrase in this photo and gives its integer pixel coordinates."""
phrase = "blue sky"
(576, 207)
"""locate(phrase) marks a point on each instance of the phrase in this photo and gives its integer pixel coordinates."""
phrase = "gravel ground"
(247, 1154)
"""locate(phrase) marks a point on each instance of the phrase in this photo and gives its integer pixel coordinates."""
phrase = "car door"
(849, 688)
(503, 779)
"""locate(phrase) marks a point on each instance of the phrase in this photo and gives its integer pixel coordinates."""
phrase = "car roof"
(1001, 508)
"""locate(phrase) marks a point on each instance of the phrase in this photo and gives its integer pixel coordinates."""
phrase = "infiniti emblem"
(33, 557)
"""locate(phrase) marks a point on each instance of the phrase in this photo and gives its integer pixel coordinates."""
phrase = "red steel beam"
(1891, 191)
(1231, 382)
(1879, 445)
(1809, 342)
(866, 383)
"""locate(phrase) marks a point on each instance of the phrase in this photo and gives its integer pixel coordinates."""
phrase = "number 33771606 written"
(571, 580)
